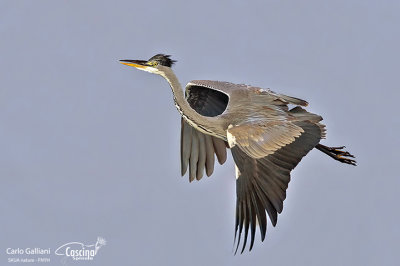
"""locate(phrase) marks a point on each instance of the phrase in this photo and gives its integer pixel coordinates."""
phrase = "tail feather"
(303, 115)
(293, 100)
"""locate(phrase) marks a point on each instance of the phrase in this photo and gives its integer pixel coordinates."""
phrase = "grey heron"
(266, 138)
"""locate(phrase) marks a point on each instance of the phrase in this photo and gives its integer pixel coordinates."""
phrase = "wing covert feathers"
(259, 140)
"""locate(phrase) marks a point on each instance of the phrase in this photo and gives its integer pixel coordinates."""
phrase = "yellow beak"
(134, 63)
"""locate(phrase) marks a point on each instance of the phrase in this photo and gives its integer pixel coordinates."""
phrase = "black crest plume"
(163, 60)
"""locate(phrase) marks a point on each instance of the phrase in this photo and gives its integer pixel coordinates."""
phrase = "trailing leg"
(337, 153)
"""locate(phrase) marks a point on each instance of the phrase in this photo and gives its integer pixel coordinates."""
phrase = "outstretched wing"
(197, 148)
(262, 182)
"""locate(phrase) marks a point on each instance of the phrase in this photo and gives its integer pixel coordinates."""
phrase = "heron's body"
(266, 138)
(241, 103)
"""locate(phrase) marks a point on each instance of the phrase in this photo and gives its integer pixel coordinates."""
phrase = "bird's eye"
(153, 63)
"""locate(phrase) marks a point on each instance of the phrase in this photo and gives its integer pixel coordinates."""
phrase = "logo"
(80, 251)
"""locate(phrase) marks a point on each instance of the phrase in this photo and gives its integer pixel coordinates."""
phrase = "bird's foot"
(338, 154)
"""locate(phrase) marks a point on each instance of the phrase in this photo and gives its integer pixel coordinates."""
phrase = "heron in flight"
(266, 138)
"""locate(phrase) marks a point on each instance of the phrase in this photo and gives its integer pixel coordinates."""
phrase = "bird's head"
(153, 65)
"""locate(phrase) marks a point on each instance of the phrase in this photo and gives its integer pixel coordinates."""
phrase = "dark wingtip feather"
(261, 216)
(246, 226)
(252, 224)
(241, 218)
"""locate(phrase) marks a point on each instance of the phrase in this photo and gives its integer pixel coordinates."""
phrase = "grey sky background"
(90, 147)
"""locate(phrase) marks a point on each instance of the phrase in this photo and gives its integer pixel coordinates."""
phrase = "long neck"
(190, 115)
